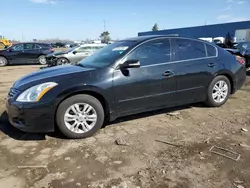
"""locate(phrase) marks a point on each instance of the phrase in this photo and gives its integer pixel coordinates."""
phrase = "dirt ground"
(163, 149)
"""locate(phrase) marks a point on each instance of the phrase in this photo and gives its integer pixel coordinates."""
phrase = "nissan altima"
(127, 77)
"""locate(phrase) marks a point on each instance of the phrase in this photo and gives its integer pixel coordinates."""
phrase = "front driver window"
(153, 52)
(18, 47)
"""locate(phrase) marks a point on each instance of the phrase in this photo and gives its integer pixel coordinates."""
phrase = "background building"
(208, 31)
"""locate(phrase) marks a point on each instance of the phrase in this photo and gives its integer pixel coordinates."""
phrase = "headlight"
(35, 93)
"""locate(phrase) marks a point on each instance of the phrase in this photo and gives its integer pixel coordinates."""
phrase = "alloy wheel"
(42, 60)
(220, 91)
(3, 61)
(80, 118)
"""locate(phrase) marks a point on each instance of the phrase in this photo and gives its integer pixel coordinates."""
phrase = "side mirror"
(130, 64)
(74, 52)
(10, 50)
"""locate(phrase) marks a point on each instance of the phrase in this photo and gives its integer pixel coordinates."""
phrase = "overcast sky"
(81, 19)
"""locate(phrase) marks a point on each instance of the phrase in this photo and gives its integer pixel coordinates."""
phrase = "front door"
(140, 89)
(194, 68)
(16, 54)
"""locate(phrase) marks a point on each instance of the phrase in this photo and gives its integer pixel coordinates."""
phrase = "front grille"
(12, 93)
(52, 60)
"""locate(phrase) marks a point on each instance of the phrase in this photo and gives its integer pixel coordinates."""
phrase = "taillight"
(241, 60)
(51, 50)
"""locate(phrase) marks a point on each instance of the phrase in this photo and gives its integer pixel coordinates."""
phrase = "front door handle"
(168, 74)
(211, 65)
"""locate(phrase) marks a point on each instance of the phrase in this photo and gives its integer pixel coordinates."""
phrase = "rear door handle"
(168, 74)
(211, 65)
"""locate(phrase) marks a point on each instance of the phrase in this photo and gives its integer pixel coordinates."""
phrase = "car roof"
(34, 43)
(149, 37)
(92, 45)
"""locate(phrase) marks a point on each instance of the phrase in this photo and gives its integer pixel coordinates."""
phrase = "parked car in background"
(25, 53)
(72, 45)
(73, 55)
(58, 45)
(127, 77)
(245, 52)
(241, 49)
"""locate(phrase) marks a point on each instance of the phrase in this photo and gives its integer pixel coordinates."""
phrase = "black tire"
(42, 60)
(81, 98)
(62, 61)
(210, 101)
(3, 61)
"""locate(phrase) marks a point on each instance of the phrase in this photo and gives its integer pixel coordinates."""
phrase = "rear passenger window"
(211, 50)
(153, 52)
(189, 49)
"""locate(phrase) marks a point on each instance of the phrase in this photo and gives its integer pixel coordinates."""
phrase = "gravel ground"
(165, 149)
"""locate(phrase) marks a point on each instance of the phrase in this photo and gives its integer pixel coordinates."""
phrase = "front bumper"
(33, 118)
(51, 60)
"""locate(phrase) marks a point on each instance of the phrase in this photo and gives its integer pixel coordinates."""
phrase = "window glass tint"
(45, 46)
(84, 49)
(18, 47)
(108, 54)
(211, 50)
(189, 49)
(37, 46)
(153, 52)
(29, 46)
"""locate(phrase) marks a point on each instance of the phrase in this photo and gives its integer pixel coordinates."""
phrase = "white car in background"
(73, 55)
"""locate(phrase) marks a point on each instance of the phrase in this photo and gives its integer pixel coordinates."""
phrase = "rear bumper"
(240, 77)
(33, 118)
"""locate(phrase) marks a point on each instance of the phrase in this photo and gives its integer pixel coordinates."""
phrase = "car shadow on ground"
(152, 113)
(248, 73)
(12, 132)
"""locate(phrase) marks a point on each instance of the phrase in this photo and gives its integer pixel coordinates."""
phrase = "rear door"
(194, 68)
(30, 53)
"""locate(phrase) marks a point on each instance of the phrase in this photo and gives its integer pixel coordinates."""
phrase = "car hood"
(56, 74)
(57, 53)
(2, 51)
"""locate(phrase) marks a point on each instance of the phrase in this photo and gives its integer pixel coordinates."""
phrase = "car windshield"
(108, 54)
(71, 49)
(246, 45)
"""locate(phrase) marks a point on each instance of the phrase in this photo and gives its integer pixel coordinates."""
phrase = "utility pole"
(22, 36)
(104, 25)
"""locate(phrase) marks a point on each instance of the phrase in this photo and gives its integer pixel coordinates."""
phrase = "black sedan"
(127, 77)
(25, 53)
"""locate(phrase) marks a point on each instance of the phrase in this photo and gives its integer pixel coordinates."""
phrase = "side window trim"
(216, 50)
(205, 49)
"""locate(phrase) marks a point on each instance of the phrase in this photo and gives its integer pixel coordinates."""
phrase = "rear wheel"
(62, 61)
(3, 61)
(218, 91)
(80, 116)
(42, 60)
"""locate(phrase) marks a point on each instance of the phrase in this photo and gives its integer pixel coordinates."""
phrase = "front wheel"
(218, 91)
(62, 61)
(42, 60)
(3, 61)
(80, 116)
